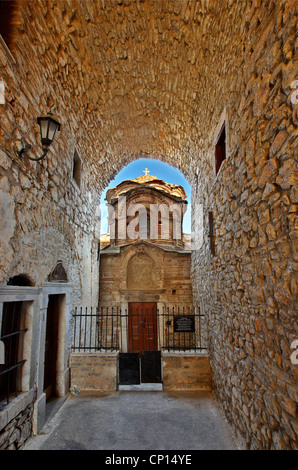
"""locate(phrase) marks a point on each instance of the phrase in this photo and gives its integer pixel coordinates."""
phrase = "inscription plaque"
(184, 324)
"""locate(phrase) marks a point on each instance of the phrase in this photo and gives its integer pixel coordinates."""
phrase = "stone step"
(150, 387)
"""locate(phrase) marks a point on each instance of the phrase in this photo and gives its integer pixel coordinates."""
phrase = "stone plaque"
(184, 323)
(59, 274)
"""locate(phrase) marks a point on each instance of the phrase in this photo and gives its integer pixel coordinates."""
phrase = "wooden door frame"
(129, 327)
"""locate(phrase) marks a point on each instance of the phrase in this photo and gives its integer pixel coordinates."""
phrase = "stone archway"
(159, 86)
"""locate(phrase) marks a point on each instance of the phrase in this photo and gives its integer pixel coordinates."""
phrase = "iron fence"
(172, 328)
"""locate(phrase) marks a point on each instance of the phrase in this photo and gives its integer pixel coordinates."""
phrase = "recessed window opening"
(220, 149)
(77, 164)
(211, 233)
(11, 334)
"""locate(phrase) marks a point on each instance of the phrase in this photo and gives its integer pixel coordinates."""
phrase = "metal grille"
(11, 335)
(179, 328)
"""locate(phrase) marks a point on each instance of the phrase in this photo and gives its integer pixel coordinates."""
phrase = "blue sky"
(156, 168)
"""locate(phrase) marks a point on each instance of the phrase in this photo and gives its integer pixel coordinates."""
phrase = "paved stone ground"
(136, 421)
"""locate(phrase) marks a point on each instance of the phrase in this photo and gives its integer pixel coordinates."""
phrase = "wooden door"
(142, 327)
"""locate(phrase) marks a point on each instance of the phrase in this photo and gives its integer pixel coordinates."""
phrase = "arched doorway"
(142, 316)
(141, 267)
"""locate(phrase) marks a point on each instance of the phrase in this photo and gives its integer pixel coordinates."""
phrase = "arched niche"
(58, 274)
(21, 280)
(141, 272)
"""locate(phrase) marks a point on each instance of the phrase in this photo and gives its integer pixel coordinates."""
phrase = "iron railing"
(173, 328)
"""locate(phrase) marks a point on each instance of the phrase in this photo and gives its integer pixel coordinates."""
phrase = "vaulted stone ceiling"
(144, 77)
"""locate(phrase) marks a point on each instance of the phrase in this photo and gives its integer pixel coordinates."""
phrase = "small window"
(77, 168)
(8, 21)
(211, 234)
(220, 149)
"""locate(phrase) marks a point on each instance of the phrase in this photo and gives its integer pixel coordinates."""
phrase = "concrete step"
(141, 387)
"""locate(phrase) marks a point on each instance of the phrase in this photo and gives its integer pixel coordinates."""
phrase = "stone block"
(186, 372)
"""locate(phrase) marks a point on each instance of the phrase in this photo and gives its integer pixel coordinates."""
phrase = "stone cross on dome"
(146, 171)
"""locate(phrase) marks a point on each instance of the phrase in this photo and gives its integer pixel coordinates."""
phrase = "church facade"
(147, 318)
(152, 262)
(148, 269)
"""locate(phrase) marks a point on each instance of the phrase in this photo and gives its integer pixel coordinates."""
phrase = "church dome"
(146, 180)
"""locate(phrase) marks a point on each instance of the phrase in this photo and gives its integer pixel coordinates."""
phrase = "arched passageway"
(206, 86)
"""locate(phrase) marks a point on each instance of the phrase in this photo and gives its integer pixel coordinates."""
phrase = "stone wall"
(16, 422)
(18, 431)
(99, 372)
(45, 216)
(92, 371)
(249, 288)
(186, 372)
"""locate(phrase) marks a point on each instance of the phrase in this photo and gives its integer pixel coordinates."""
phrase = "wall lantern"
(48, 129)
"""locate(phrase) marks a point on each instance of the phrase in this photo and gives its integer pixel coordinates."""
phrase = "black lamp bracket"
(21, 149)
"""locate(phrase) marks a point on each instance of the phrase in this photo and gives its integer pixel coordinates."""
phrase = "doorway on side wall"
(51, 346)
